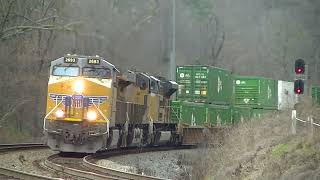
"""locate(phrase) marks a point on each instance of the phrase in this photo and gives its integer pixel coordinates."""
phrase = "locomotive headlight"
(91, 115)
(78, 86)
(59, 113)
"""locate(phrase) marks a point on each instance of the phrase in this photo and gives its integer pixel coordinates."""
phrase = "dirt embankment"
(261, 149)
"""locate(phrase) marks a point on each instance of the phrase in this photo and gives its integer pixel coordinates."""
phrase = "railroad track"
(73, 166)
(21, 146)
(15, 174)
(85, 167)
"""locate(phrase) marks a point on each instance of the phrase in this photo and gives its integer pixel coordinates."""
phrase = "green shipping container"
(200, 114)
(207, 84)
(241, 114)
(255, 92)
(315, 93)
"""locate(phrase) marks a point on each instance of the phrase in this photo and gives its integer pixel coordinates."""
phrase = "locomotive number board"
(94, 61)
(70, 60)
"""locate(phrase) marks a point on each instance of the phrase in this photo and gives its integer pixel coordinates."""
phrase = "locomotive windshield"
(104, 73)
(65, 71)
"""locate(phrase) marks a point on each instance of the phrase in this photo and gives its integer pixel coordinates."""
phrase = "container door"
(247, 92)
(225, 115)
(185, 80)
(220, 86)
(268, 95)
(212, 116)
(200, 80)
(194, 114)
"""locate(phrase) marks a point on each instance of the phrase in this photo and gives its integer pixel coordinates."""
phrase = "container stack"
(204, 97)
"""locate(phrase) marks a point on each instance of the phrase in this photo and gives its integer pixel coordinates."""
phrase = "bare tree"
(216, 38)
(211, 30)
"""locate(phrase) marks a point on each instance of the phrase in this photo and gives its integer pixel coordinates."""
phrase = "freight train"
(92, 106)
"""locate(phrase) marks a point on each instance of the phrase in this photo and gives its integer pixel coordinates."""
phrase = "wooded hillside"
(264, 35)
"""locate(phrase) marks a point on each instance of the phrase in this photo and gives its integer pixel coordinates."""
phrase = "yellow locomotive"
(92, 106)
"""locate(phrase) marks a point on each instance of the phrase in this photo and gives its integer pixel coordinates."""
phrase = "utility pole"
(173, 51)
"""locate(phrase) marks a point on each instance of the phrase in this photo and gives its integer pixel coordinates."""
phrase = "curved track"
(85, 167)
(10, 173)
(72, 165)
(20, 146)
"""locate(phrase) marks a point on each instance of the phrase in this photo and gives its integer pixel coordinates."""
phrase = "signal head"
(298, 86)
(299, 66)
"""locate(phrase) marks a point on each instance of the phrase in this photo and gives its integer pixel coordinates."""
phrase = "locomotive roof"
(83, 60)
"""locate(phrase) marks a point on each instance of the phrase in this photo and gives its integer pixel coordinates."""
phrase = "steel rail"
(23, 175)
(72, 171)
(89, 161)
(20, 146)
(20, 174)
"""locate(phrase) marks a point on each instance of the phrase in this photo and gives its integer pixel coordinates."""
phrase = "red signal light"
(298, 91)
(299, 70)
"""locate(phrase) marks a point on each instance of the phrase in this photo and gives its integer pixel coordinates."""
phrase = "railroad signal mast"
(300, 76)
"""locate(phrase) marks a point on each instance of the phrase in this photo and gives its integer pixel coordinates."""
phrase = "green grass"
(281, 149)
(301, 149)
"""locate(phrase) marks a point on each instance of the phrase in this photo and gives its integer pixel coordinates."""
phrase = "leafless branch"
(14, 108)
(217, 53)
(16, 30)
(5, 19)
(139, 23)
(48, 7)
(35, 22)
(216, 36)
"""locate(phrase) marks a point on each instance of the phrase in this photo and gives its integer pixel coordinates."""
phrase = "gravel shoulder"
(163, 164)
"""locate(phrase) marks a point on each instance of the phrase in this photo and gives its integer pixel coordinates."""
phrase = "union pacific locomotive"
(92, 106)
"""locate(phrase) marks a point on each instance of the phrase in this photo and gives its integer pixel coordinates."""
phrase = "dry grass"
(260, 149)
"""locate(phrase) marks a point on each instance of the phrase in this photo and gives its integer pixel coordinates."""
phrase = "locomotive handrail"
(44, 119)
(104, 117)
(53, 109)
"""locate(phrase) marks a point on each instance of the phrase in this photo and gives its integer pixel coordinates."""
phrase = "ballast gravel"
(174, 164)
(29, 161)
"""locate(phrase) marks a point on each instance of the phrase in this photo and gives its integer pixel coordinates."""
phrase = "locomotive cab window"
(103, 73)
(154, 87)
(143, 84)
(66, 71)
